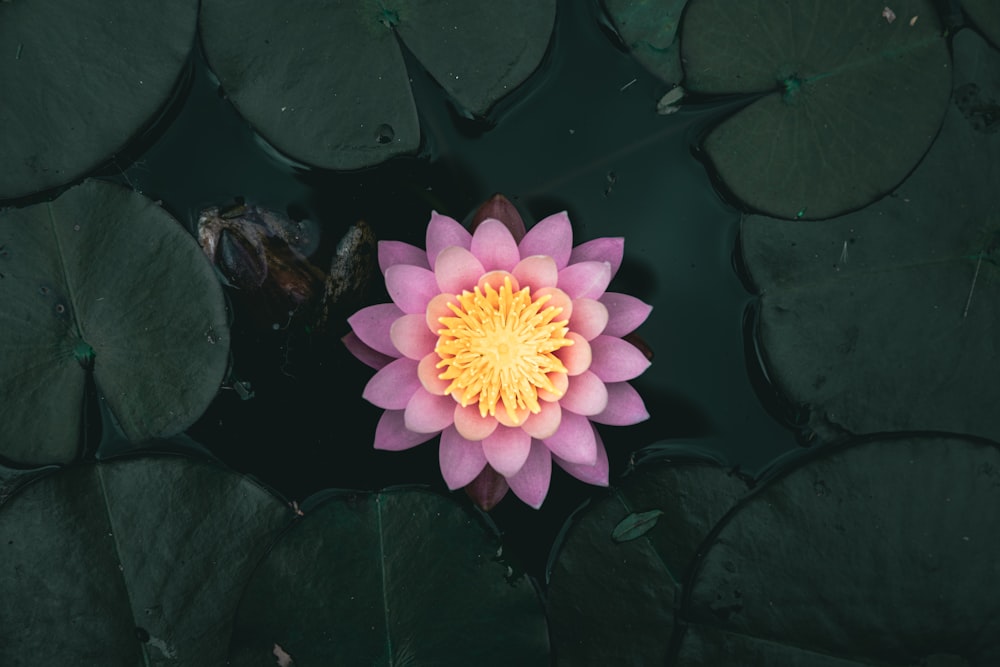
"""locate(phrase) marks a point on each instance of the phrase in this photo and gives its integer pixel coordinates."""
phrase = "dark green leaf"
(985, 15)
(326, 83)
(79, 80)
(635, 525)
(134, 562)
(599, 586)
(886, 319)
(847, 101)
(103, 281)
(883, 552)
(395, 578)
(649, 29)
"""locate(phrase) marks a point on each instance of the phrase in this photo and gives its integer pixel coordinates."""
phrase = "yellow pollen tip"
(498, 347)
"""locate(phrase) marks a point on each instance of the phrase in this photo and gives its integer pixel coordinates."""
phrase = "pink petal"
(605, 249)
(461, 460)
(494, 246)
(597, 473)
(392, 435)
(552, 236)
(397, 252)
(625, 313)
(393, 386)
(588, 279)
(507, 450)
(561, 383)
(586, 395)
(372, 325)
(471, 425)
(543, 424)
(625, 406)
(427, 413)
(428, 372)
(410, 287)
(487, 489)
(457, 269)
(365, 354)
(558, 299)
(411, 336)
(616, 360)
(438, 308)
(536, 272)
(442, 232)
(497, 279)
(500, 208)
(574, 440)
(589, 318)
(531, 483)
(576, 357)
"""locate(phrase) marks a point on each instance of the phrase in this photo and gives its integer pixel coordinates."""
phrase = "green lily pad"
(985, 14)
(103, 281)
(601, 587)
(649, 29)
(132, 562)
(886, 319)
(81, 79)
(846, 103)
(326, 83)
(883, 552)
(398, 577)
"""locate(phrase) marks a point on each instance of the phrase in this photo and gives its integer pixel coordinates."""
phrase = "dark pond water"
(580, 135)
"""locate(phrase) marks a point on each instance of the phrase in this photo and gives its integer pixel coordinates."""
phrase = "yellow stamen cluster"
(499, 347)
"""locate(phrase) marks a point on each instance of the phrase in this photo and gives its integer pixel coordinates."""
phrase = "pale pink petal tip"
(625, 406)
(586, 395)
(507, 449)
(500, 208)
(391, 253)
(536, 272)
(393, 386)
(428, 413)
(552, 236)
(443, 232)
(625, 313)
(586, 279)
(494, 246)
(596, 473)
(531, 483)
(589, 318)
(461, 460)
(372, 326)
(616, 360)
(392, 435)
(410, 287)
(605, 249)
(365, 354)
(487, 489)
(410, 335)
(456, 269)
(574, 440)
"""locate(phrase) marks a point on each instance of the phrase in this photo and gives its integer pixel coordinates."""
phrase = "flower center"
(499, 347)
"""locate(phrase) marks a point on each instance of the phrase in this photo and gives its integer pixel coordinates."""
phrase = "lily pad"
(649, 29)
(985, 14)
(326, 82)
(846, 102)
(886, 319)
(883, 552)
(103, 281)
(601, 587)
(398, 577)
(81, 79)
(132, 562)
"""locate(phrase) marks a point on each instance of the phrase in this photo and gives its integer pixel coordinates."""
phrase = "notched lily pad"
(886, 319)
(600, 585)
(326, 84)
(79, 80)
(398, 577)
(883, 552)
(103, 281)
(133, 562)
(649, 30)
(846, 101)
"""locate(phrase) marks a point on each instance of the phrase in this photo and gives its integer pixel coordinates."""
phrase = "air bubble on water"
(384, 133)
(60, 308)
(211, 336)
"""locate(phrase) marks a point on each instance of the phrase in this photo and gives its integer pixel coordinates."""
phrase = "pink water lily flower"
(507, 344)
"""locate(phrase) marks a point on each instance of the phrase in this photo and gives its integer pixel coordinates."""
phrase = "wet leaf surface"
(985, 15)
(67, 108)
(886, 319)
(649, 30)
(844, 103)
(133, 562)
(102, 283)
(327, 84)
(398, 577)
